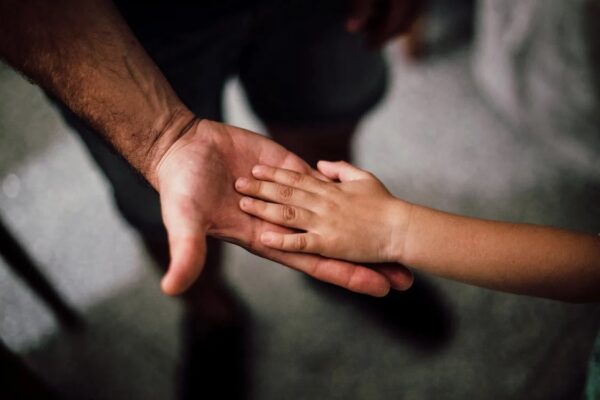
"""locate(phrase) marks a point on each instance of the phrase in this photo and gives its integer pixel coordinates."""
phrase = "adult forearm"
(83, 52)
(518, 258)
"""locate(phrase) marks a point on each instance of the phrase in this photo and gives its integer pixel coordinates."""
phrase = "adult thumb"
(187, 261)
(187, 242)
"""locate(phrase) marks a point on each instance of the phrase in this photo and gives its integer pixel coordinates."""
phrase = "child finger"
(285, 215)
(275, 192)
(342, 171)
(317, 175)
(296, 242)
(289, 178)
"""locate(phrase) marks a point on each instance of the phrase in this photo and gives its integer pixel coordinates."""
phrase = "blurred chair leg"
(20, 262)
(17, 381)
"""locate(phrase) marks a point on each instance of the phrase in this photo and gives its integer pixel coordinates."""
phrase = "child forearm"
(518, 258)
(358, 219)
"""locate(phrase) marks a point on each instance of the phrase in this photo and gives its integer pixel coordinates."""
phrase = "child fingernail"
(245, 202)
(267, 238)
(241, 183)
(257, 170)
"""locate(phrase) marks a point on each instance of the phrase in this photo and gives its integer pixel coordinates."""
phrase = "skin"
(356, 218)
(196, 184)
(83, 53)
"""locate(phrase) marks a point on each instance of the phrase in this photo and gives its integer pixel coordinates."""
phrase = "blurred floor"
(433, 141)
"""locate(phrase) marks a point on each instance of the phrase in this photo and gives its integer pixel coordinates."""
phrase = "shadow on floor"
(420, 316)
(116, 356)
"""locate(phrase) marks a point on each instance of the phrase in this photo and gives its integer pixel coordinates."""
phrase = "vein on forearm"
(86, 56)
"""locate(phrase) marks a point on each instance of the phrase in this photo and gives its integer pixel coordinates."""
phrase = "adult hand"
(381, 20)
(116, 88)
(195, 178)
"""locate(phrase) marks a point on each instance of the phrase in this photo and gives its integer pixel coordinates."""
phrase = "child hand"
(355, 219)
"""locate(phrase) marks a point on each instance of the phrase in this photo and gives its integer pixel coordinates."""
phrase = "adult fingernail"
(241, 183)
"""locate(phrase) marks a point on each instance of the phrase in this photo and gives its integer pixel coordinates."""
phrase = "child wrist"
(400, 219)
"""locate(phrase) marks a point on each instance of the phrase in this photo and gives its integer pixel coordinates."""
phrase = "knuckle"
(331, 189)
(260, 206)
(285, 192)
(330, 206)
(296, 178)
(288, 213)
(258, 187)
(316, 245)
(335, 190)
(301, 242)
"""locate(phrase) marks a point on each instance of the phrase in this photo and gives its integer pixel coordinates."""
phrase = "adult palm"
(195, 179)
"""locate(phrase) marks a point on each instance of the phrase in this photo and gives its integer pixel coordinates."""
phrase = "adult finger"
(356, 278)
(187, 245)
(399, 16)
(358, 15)
(187, 261)
(400, 277)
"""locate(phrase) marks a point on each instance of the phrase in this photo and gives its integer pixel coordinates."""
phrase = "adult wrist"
(169, 129)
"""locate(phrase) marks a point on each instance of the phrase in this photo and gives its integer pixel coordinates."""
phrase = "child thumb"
(341, 171)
